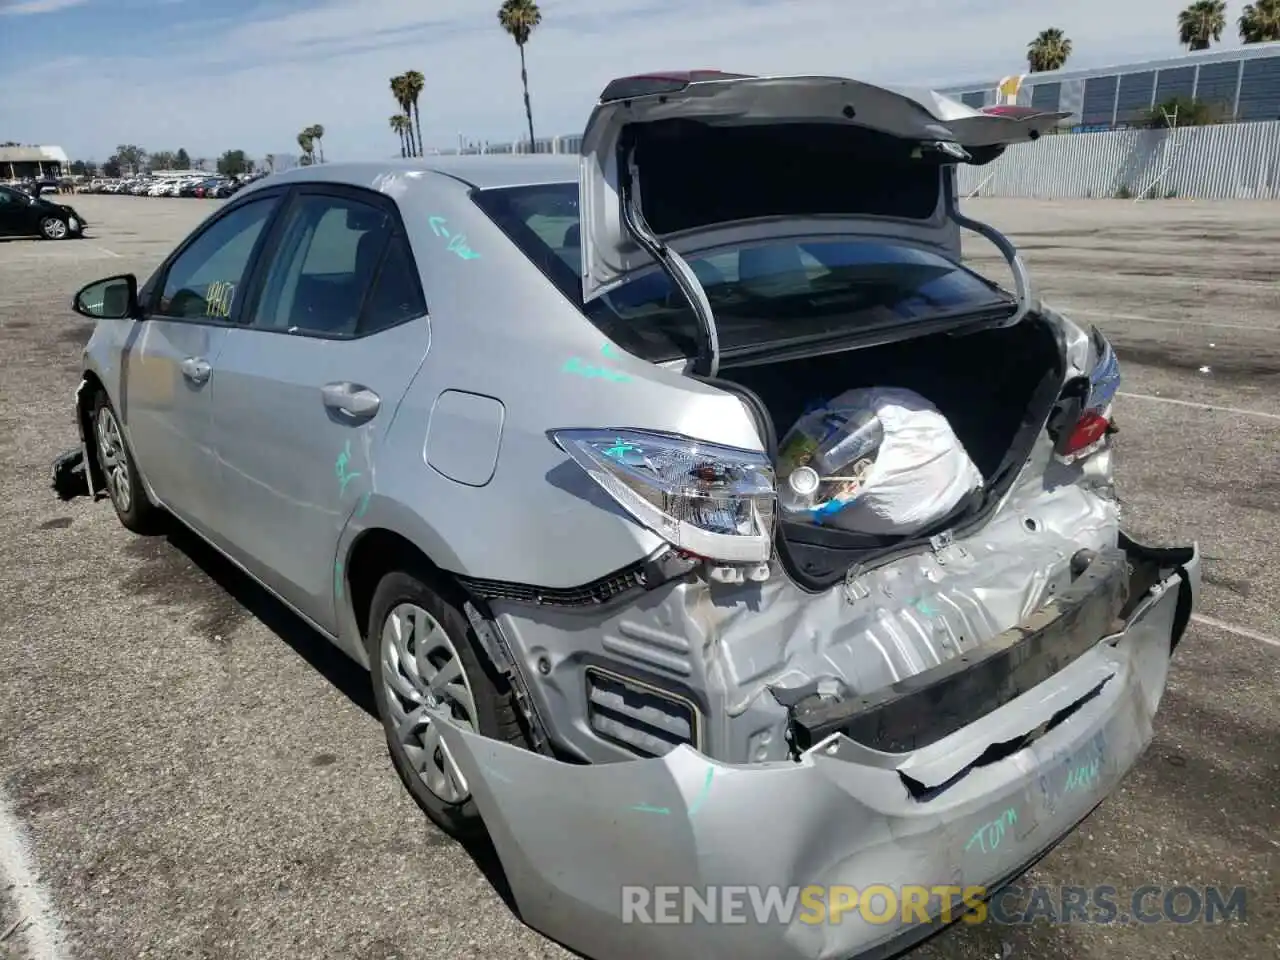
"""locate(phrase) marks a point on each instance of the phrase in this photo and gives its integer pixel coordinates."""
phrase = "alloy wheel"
(421, 671)
(54, 228)
(115, 463)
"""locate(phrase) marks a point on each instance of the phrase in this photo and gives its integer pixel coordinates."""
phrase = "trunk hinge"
(499, 653)
(707, 362)
(1027, 299)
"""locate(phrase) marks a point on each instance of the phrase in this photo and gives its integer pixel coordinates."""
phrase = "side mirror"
(115, 298)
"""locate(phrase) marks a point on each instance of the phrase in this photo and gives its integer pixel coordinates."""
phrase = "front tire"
(54, 228)
(124, 484)
(421, 656)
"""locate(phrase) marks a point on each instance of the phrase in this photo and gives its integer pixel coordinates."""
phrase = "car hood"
(630, 110)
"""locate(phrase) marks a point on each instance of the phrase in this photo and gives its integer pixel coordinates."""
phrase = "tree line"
(130, 160)
(1200, 25)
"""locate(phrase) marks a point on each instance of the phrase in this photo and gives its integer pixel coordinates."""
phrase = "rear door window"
(396, 296)
(762, 294)
(323, 266)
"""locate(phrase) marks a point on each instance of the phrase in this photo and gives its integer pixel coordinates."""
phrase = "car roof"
(481, 172)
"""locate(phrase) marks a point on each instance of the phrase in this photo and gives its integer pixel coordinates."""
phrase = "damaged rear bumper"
(971, 808)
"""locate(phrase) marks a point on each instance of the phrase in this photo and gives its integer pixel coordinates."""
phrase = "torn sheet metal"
(82, 389)
(582, 845)
(733, 646)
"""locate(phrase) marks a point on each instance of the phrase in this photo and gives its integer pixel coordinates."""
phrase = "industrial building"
(24, 163)
(1243, 83)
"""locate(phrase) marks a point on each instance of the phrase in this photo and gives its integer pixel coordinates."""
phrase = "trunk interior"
(997, 388)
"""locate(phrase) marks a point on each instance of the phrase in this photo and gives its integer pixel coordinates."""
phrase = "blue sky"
(211, 75)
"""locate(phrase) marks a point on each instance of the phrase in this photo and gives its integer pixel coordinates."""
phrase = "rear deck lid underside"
(912, 133)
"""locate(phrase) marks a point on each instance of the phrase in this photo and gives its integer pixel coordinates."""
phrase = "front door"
(308, 386)
(169, 368)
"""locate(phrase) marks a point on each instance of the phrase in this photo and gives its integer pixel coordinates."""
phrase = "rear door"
(169, 366)
(309, 384)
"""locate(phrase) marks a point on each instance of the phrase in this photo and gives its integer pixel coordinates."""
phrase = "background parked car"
(24, 214)
(203, 186)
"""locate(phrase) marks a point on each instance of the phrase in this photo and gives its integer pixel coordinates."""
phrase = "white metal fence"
(1228, 161)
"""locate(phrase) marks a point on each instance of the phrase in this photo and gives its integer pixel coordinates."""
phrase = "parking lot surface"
(196, 775)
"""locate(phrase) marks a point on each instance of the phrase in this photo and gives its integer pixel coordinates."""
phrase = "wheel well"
(378, 552)
(84, 410)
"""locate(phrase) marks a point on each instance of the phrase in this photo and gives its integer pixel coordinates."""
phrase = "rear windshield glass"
(762, 294)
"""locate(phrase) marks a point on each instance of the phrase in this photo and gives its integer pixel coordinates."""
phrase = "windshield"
(766, 294)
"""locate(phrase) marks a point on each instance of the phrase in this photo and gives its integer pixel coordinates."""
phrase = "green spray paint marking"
(620, 448)
(610, 351)
(580, 367)
(926, 608)
(337, 579)
(457, 242)
(1083, 776)
(364, 504)
(989, 835)
(693, 807)
(702, 795)
(340, 469)
(646, 808)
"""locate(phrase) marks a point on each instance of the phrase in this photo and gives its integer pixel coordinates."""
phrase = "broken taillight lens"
(1089, 429)
(1084, 422)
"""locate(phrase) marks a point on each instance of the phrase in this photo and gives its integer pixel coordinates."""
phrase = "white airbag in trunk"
(886, 460)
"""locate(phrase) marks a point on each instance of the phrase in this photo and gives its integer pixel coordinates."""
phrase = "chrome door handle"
(351, 401)
(196, 369)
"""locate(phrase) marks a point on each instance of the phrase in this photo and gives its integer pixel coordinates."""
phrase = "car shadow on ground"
(226, 595)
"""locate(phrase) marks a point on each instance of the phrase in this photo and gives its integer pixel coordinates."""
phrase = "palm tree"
(308, 146)
(1260, 22)
(1202, 23)
(400, 90)
(400, 125)
(316, 132)
(519, 18)
(414, 82)
(1048, 51)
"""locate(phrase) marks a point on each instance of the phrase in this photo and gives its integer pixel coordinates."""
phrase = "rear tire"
(54, 228)
(421, 652)
(124, 483)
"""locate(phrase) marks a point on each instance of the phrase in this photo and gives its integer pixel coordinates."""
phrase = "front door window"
(204, 281)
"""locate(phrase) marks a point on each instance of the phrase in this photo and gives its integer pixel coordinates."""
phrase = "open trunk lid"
(674, 165)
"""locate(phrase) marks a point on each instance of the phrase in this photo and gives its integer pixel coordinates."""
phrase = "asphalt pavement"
(192, 773)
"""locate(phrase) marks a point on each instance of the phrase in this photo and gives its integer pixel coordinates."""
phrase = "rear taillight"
(714, 502)
(1088, 431)
(1082, 420)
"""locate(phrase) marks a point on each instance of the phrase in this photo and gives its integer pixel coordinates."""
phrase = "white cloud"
(255, 82)
(17, 8)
